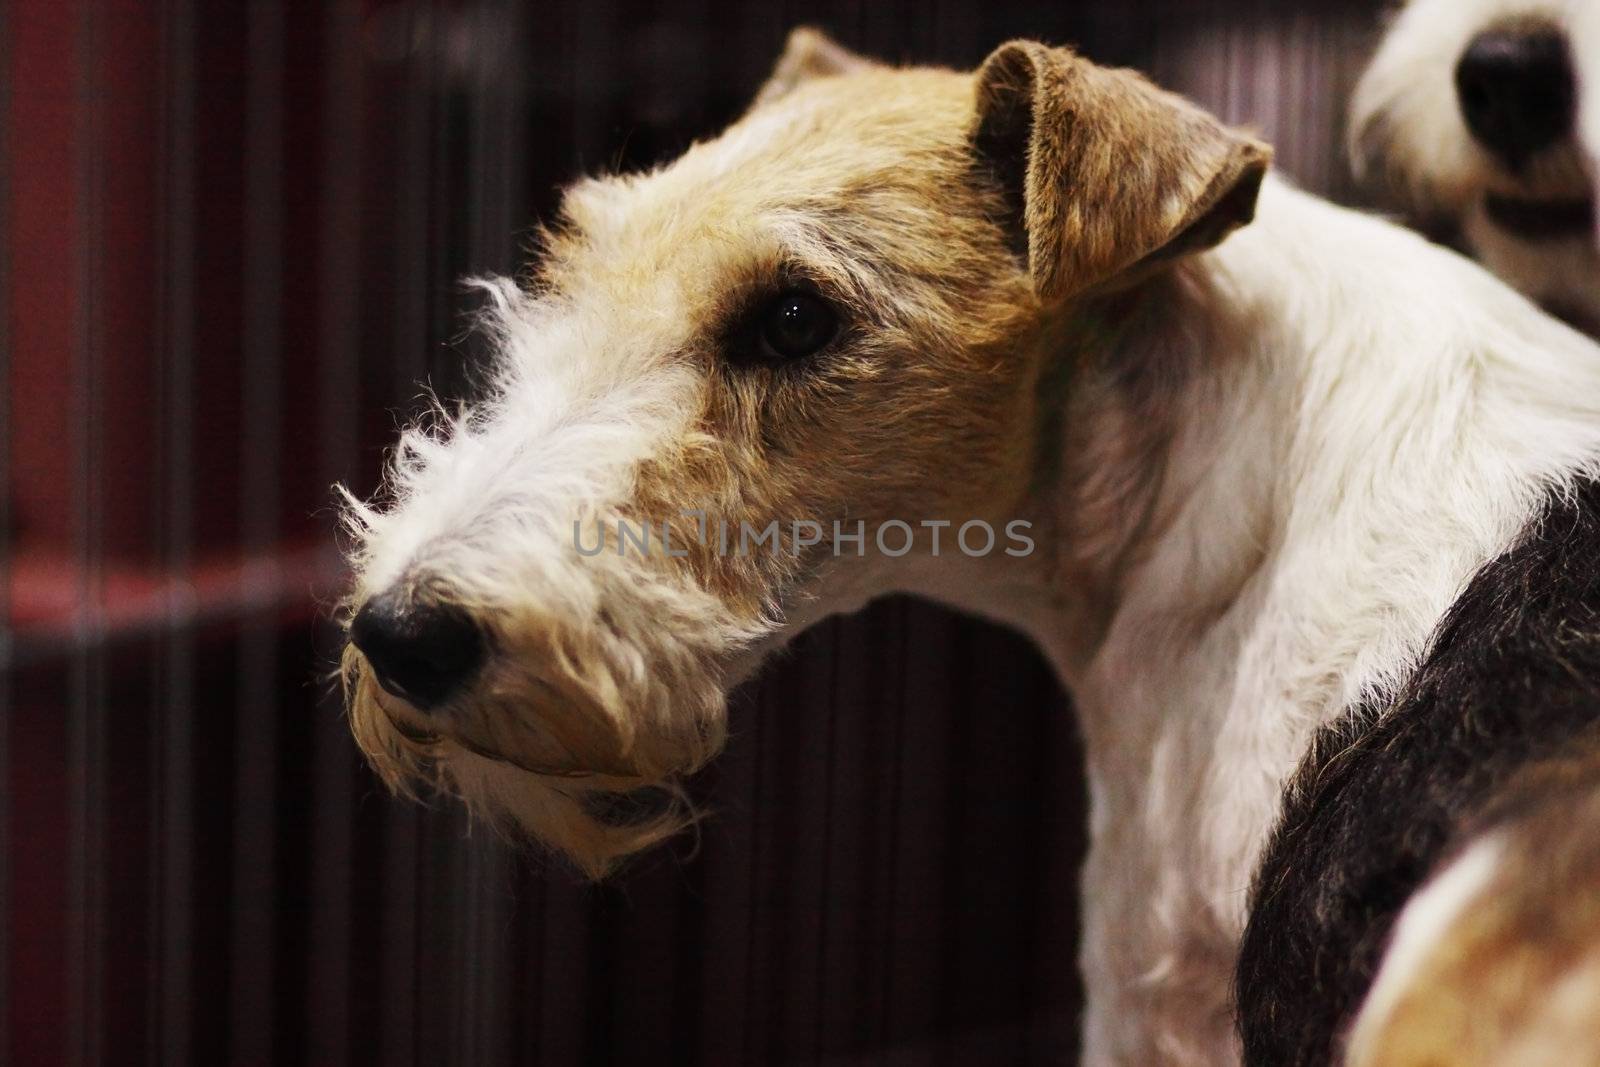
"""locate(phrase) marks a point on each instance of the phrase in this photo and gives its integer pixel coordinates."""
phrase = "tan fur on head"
(808, 54)
(625, 392)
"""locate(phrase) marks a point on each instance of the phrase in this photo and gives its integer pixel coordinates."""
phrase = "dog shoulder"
(1510, 682)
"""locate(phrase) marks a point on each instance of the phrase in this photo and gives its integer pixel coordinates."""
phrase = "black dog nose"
(1517, 91)
(422, 653)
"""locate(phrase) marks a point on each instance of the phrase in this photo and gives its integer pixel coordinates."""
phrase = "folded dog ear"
(1104, 171)
(809, 53)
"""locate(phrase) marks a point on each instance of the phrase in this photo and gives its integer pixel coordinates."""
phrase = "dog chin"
(590, 811)
(589, 814)
(593, 822)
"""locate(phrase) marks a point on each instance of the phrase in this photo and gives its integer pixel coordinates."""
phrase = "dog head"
(831, 319)
(1473, 111)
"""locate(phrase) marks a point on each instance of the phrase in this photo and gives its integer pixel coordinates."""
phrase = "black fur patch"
(1513, 674)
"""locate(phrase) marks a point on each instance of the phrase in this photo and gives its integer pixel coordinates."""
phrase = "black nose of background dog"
(422, 653)
(1517, 91)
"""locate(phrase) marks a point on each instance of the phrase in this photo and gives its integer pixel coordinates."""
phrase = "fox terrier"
(1228, 453)
(1485, 115)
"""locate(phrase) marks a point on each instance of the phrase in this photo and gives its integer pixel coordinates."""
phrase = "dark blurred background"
(233, 239)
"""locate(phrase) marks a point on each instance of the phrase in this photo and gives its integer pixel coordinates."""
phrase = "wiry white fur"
(1357, 443)
(557, 428)
(480, 513)
(1406, 129)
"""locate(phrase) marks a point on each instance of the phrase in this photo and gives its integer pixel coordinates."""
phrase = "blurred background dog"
(1477, 114)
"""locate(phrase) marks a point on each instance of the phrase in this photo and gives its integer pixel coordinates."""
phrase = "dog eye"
(796, 325)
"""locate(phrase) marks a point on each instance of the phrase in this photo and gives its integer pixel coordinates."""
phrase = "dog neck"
(1277, 471)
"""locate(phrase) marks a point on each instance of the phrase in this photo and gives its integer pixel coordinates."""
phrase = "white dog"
(1254, 469)
(1486, 114)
